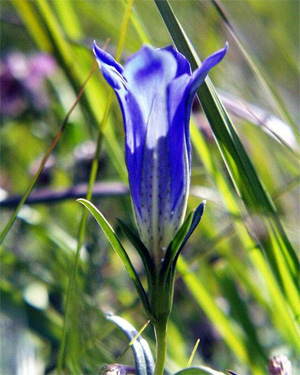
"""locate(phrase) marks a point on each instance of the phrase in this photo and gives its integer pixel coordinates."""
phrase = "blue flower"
(155, 91)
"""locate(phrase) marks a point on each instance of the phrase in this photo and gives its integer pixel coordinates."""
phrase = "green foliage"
(199, 370)
(118, 247)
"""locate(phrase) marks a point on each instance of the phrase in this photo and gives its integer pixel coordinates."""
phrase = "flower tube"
(155, 90)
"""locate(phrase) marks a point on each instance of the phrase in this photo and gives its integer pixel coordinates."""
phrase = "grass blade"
(274, 98)
(288, 327)
(242, 172)
(71, 24)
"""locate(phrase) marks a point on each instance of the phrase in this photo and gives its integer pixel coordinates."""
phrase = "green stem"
(160, 327)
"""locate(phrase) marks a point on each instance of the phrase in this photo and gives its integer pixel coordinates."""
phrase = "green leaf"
(176, 244)
(275, 301)
(198, 370)
(141, 249)
(144, 362)
(71, 23)
(181, 238)
(118, 247)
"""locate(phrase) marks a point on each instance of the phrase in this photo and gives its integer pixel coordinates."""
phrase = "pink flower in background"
(21, 82)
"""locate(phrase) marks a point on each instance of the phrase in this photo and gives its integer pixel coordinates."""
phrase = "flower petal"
(110, 68)
(200, 74)
(180, 97)
(183, 65)
(179, 144)
(148, 74)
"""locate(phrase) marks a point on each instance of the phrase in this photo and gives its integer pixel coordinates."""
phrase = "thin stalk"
(160, 328)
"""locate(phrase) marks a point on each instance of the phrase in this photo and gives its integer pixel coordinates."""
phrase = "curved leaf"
(118, 247)
(181, 238)
(140, 248)
(142, 354)
(198, 370)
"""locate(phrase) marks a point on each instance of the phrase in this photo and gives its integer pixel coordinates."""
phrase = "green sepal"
(181, 238)
(118, 247)
(161, 296)
(140, 248)
(198, 370)
(196, 220)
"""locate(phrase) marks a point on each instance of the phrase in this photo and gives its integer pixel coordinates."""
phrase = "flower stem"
(160, 327)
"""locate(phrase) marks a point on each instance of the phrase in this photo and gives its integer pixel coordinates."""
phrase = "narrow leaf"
(182, 237)
(176, 243)
(118, 247)
(142, 354)
(140, 247)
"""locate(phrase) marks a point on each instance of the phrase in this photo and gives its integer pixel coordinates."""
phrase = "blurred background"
(225, 292)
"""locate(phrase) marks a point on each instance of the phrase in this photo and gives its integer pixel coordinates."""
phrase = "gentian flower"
(155, 90)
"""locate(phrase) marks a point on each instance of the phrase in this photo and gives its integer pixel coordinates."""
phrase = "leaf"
(165, 285)
(275, 301)
(198, 370)
(142, 354)
(118, 247)
(181, 238)
(140, 247)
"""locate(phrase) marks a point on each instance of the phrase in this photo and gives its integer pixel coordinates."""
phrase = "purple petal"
(106, 58)
(179, 150)
(110, 68)
(200, 74)
(183, 65)
(148, 74)
(181, 94)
